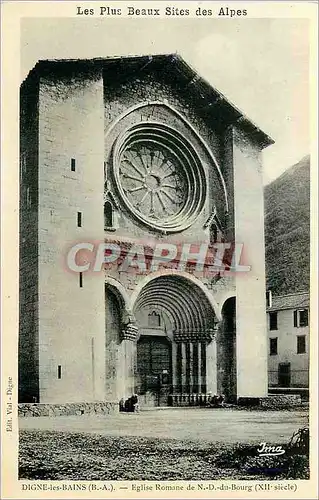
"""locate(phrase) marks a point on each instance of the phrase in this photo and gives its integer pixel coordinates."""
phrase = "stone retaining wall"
(276, 402)
(281, 401)
(54, 410)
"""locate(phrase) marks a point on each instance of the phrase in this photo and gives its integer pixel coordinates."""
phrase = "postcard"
(159, 249)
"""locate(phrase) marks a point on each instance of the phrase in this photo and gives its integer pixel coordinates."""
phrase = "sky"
(260, 65)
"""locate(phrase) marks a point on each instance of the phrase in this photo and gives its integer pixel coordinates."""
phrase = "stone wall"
(274, 402)
(281, 401)
(71, 312)
(67, 409)
(251, 329)
(28, 258)
(121, 91)
(302, 391)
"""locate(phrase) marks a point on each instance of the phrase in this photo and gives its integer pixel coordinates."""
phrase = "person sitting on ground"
(134, 402)
(221, 400)
(217, 401)
(128, 405)
(121, 405)
(214, 401)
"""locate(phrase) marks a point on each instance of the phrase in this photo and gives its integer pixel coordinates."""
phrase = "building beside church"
(288, 332)
(138, 151)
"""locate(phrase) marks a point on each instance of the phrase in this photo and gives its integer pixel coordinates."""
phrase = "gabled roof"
(298, 300)
(209, 97)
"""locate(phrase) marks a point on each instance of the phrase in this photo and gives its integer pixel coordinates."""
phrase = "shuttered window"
(301, 344)
(273, 346)
(301, 318)
(273, 321)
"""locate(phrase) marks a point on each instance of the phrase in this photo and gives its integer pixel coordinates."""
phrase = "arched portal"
(226, 351)
(175, 321)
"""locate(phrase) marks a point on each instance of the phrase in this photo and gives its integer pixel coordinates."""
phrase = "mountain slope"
(287, 230)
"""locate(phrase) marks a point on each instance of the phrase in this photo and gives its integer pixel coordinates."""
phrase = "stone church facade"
(138, 150)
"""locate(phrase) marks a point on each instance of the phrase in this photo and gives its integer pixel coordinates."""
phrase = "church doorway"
(154, 369)
(175, 321)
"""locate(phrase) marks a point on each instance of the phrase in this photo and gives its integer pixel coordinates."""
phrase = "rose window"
(153, 180)
(159, 177)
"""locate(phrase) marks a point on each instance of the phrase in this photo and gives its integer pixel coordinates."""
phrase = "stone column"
(191, 368)
(203, 365)
(174, 366)
(211, 365)
(128, 358)
(183, 361)
(199, 372)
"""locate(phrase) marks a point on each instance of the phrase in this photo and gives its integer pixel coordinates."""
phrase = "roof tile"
(290, 301)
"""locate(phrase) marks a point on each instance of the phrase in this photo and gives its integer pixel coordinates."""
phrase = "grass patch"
(49, 455)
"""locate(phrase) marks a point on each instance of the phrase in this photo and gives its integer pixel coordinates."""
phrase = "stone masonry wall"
(28, 280)
(71, 316)
(67, 409)
(251, 329)
(281, 401)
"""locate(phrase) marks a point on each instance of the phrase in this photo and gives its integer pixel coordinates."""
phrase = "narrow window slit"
(79, 219)
(108, 215)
